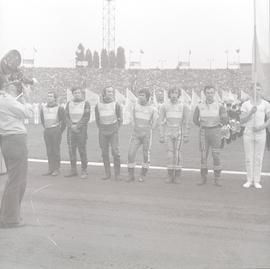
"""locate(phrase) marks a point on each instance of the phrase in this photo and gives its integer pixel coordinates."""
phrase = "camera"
(9, 67)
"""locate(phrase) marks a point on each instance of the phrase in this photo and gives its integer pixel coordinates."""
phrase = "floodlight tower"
(108, 40)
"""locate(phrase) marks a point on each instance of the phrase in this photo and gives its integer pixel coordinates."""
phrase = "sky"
(165, 30)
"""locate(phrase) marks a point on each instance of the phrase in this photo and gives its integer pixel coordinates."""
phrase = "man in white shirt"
(253, 113)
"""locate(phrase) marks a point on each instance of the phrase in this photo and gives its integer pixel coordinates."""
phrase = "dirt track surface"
(106, 224)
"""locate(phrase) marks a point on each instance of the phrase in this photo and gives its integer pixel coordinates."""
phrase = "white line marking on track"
(153, 167)
(42, 188)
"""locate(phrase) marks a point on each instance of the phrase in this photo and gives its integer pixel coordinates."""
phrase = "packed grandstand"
(61, 79)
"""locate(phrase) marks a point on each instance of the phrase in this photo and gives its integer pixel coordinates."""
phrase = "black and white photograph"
(135, 134)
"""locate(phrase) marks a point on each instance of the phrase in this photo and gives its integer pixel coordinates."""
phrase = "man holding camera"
(13, 111)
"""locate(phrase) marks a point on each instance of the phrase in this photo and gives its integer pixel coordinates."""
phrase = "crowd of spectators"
(61, 79)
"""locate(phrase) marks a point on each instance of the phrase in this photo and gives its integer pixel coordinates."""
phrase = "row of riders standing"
(172, 118)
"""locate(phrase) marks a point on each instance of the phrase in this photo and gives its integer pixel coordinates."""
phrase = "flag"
(235, 98)
(120, 98)
(228, 97)
(202, 96)
(261, 66)
(155, 102)
(244, 96)
(68, 94)
(261, 48)
(185, 98)
(217, 97)
(131, 100)
(165, 97)
(127, 114)
(93, 99)
(195, 99)
(225, 96)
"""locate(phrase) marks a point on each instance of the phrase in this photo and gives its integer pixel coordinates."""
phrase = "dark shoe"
(72, 174)
(106, 177)
(217, 173)
(117, 167)
(143, 174)
(47, 174)
(55, 173)
(217, 182)
(171, 176)
(204, 172)
(177, 178)
(130, 175)
(203, 181)
(107, 167)
(84, 174)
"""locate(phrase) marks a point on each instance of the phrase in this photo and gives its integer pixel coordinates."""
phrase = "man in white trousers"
(253, 114)
(3, 169)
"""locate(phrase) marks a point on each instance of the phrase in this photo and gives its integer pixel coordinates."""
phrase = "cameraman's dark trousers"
(14, 150)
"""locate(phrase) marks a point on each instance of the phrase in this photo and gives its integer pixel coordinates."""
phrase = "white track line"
(152, 167)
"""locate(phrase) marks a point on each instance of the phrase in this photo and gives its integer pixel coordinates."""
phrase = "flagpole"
(189, 56)
(129, 56)
(254, 77)
(255, 51)
(269, 28)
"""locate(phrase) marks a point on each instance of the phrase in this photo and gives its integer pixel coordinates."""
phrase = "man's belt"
(211, 127)
(54, 125)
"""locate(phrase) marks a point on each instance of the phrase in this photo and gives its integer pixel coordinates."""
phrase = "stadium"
(93, 223)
